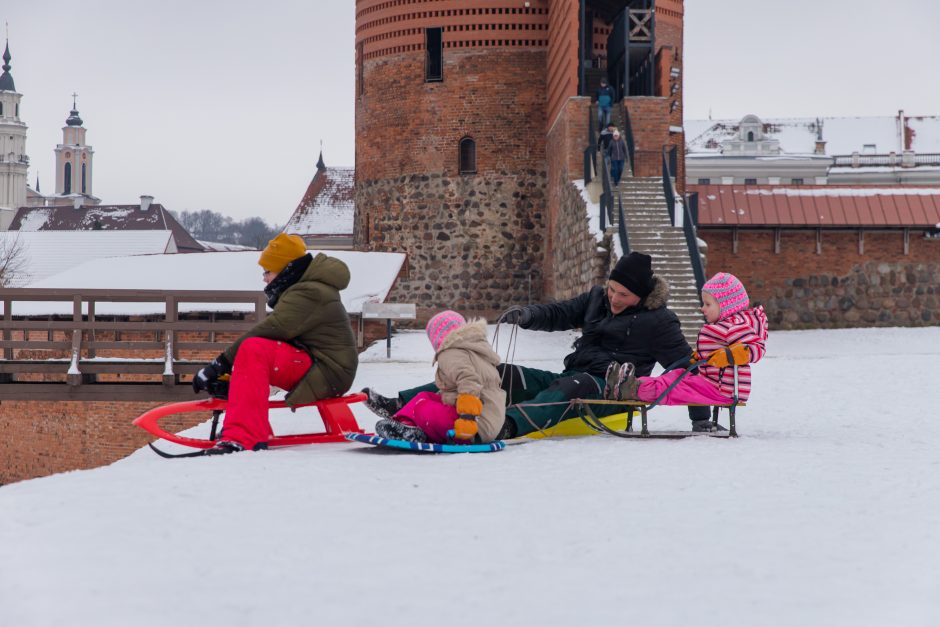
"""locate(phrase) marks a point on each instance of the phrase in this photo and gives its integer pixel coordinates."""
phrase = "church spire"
(320, 164)
(6, 79)
(73, 119)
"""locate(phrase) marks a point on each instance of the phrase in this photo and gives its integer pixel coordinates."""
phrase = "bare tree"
(12, 260)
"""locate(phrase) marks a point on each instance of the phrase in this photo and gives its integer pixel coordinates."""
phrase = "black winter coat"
(642, 335)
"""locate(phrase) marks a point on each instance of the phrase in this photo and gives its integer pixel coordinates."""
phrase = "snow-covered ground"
(825, 512)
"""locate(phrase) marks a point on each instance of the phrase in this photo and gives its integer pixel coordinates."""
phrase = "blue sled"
(425, 447)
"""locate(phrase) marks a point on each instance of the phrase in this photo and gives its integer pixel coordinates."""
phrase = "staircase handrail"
(622, 227)
(628, 135)
(689, 227)
(590, 163)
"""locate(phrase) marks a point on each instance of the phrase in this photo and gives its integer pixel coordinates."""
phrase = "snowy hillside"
(825, 512)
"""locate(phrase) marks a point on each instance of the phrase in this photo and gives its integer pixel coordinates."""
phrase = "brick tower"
(469, 117)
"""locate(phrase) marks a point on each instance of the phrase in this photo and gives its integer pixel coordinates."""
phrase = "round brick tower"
(450, 147)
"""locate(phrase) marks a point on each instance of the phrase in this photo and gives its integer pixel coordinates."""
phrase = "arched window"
(750, 136)
(1, 108)
(67, 188)
(83, 178)
(468, 156)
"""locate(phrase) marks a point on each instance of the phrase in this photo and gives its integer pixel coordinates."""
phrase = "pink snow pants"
(692, 390)
(427, 412)
(259, 363)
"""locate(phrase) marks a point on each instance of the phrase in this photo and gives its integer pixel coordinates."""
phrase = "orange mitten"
(465, 427)
(738, 354)
(469, 404)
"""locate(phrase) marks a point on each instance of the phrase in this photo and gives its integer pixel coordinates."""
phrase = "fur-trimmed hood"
(472, 337)
(659, 297)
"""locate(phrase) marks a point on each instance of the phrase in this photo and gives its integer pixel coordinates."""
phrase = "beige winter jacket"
(466, 364)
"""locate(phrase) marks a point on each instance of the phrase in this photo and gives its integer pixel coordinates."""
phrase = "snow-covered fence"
(57, 345)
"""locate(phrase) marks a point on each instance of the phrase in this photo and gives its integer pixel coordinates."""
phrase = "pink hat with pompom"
(441, 325)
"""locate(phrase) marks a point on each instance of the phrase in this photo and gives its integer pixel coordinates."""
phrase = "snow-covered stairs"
(650, 231)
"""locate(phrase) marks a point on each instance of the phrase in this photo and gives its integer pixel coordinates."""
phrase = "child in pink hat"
(470, 401)
(733, 335)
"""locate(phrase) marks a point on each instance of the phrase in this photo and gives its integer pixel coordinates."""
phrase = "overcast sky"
(222, 105)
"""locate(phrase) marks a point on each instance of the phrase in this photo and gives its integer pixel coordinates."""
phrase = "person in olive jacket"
(625, 321)
(306, 345)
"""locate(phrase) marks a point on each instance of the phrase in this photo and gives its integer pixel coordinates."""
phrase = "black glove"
(211, 373)
(515, 315)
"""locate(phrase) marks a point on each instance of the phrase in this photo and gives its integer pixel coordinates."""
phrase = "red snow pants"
(259, 363)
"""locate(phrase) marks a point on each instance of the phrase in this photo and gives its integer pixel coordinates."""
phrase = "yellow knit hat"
(280, 251)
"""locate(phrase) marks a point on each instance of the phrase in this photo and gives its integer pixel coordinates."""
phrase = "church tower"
(13, 159)
(73, 158)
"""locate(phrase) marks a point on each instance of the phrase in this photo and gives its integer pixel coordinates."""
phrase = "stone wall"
(583, 261)
(840, 287)
(474, 244)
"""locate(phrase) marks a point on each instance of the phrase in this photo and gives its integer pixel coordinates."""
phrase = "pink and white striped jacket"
(748, 327)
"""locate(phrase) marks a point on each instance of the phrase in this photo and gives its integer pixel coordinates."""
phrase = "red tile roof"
(820, 205)
(328, 206)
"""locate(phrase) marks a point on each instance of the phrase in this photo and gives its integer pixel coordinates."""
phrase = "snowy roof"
(45, 253)
(104, 218)
(843, 136)
(822, 205)
(328, 206)
(373, 275)
(223, 246)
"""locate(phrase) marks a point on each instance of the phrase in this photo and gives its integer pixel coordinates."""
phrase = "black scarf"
(287, 277)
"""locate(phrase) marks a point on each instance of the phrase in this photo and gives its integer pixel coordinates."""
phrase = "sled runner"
(603, 425)
(425, 447)
(337, 419)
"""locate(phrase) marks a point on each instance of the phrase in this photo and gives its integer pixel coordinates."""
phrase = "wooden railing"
(107, 352)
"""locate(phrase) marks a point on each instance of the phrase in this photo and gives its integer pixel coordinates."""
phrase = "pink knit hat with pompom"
(729, 292)
(441, 325)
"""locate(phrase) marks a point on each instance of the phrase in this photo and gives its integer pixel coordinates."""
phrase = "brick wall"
(475, 242)
(839, 287)
(42, 438)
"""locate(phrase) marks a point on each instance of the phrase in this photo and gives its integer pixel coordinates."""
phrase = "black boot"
(706, 426)
(394, 430)
(382, 406)
(224, 447)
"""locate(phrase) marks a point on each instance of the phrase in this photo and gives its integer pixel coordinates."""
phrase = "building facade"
(13, 160)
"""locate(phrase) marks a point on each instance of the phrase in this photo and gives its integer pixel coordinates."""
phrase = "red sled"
(338, 420)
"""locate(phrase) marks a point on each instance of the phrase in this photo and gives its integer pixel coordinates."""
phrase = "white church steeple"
(73, 158)
(13, 159)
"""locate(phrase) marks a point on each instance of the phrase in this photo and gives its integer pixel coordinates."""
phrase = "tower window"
(750, 136)
(434, 64)
(83, 178)
(468, 156)
(67, 187)
(1, 108)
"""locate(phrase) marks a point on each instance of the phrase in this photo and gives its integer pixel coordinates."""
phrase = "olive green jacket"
(310, 315)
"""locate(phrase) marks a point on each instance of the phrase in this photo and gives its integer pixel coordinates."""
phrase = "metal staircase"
(650, 232)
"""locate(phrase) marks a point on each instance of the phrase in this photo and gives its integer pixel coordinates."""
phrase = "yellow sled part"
(576, 427)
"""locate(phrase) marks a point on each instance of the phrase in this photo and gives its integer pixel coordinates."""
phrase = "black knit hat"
(634, 272)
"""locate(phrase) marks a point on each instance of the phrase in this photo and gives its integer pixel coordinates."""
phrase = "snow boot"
(394, 430)
(706, 426)
(627, 383)
(611, 385)
(224, 447)
(382, 406)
